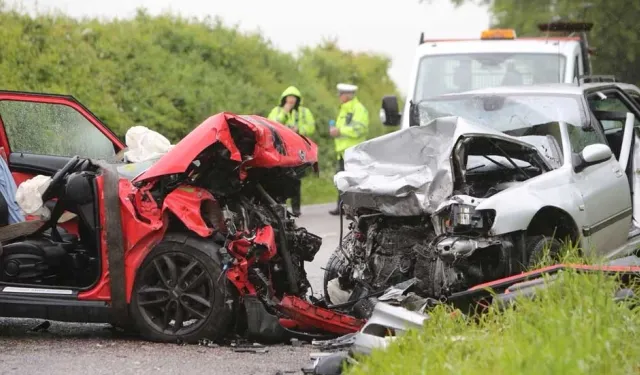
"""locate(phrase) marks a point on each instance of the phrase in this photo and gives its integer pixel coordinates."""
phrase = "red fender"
(186, 204)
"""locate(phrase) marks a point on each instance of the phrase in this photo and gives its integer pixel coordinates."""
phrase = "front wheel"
(543, 250)
(179, 295)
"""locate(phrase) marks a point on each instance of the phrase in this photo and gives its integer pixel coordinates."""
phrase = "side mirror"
(591, 155)
(389, 113)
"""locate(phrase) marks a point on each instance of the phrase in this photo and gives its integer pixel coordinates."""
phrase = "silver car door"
(606, 195)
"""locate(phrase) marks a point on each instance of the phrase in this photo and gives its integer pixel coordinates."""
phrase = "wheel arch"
(554, 222)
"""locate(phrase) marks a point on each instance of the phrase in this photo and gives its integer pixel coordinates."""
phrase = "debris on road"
(41, 327)
(340, 342)
(327, 363)
(251, 350)
(208, 343)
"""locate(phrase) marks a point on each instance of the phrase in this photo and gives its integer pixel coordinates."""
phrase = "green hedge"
(571, 327)
(574, 327)
(170, 73)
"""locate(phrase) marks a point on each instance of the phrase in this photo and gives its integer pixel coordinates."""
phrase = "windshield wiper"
(476, 167)
(495, 162)
(509, 159)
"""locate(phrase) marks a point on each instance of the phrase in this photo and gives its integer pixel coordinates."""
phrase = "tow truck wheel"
(179, 295)
(543, 248)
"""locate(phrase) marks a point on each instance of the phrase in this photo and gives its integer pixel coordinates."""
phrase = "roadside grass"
(573, 327)
(318, 189)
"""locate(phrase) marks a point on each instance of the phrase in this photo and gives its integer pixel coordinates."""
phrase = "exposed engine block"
(302, 245)
(385, 251)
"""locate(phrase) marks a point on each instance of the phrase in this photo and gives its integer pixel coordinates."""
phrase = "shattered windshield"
(534, 118)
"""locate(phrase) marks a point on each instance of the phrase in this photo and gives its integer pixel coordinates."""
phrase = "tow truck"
(497, 58)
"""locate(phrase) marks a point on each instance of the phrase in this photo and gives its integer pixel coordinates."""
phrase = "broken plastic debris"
(330, 364)
(337, 343)
(41, 327)
(207, 343)
(395, 292)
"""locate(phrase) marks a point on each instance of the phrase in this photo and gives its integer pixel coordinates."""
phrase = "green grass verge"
(573, 327)
(318, 189)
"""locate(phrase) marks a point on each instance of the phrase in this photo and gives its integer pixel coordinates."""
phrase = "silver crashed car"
(489, 181)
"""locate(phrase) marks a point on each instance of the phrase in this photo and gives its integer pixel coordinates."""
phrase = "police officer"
(351, 127)
(291, 113)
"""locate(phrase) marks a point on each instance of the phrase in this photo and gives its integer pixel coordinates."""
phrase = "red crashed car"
(197, 245)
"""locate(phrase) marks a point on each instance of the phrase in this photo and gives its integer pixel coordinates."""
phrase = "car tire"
(335, 265)
(198, 293)
(537, 249)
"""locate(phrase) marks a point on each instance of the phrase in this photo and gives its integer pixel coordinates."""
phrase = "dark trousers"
(339, 168)
(295, 199)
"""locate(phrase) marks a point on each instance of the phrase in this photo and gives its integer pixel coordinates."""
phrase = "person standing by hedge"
(351, 127)
(292, 114)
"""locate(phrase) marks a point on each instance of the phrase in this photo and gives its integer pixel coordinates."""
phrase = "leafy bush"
(170, 73)
(573, 327)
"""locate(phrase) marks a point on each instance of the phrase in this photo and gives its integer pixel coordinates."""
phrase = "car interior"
(41, 252)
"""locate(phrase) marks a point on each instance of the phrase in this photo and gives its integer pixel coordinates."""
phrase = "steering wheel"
(58, 178)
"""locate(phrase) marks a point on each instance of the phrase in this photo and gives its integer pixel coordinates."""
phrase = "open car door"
(39, 133)
(619, 115)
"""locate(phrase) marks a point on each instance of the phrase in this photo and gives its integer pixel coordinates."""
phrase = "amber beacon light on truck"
(498, 34)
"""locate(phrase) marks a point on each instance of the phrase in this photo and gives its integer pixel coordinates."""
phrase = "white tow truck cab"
(497, 58)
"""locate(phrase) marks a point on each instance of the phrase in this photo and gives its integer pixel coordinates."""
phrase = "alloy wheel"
(176, 294)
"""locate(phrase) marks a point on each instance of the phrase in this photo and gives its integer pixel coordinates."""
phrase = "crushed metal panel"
(408, 172)
(387, 317)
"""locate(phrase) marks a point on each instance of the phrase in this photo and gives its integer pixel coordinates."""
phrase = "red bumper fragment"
(309, 315)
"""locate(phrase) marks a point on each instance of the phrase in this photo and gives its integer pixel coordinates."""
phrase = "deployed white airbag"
(145, 144)
(29, 196)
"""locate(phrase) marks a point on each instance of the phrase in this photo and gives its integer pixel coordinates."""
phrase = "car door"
(612, 112)
(605, 192)
(605, 187)
(40, 132)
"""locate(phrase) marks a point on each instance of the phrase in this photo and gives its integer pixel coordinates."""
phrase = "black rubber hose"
(283, 249)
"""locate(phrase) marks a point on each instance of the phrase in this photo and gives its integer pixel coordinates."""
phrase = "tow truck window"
(444, 74)
(52, 129)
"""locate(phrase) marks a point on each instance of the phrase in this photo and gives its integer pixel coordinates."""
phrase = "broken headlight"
(461, 218)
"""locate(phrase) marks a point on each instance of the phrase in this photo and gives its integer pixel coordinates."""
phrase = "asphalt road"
(94, 349)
